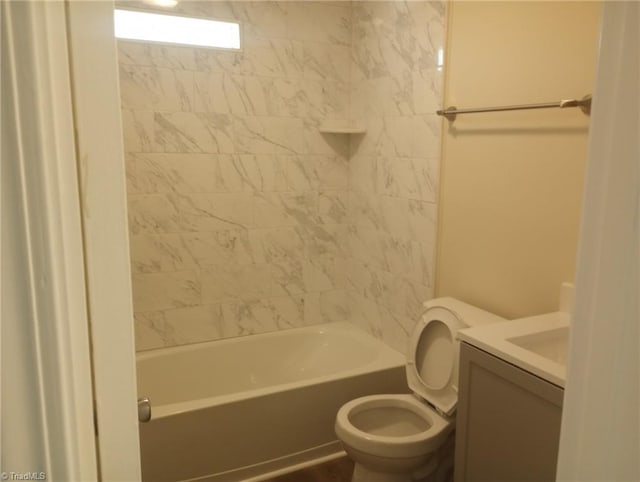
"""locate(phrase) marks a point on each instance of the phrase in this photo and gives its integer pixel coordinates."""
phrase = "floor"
(338, 470)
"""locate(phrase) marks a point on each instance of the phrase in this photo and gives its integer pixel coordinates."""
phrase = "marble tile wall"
(237, 204)
(243, 217)
(396, 87)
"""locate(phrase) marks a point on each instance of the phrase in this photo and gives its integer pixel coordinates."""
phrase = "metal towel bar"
(584, 104)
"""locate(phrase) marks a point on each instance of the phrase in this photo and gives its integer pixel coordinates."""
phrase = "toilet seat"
(402, 437)
(432, 358)
(424, 440)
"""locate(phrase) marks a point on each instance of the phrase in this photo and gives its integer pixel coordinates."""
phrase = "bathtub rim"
(386, 358)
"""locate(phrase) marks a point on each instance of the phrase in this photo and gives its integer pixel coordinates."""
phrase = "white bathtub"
(252, 407)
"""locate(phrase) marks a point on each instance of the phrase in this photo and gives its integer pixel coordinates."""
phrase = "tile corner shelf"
(341, 127)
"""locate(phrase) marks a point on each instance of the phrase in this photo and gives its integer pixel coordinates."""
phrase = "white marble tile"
(363, 173)
(262, 20)
(317, 172)
(397, 330)
(365, 314)
(398, 254)
(268, 135)
(213, 92)
(325, 239)
(324, 272)
(410, 219)
(133, 185)
(185, 173)
(369, 143)
(426, 131)
(193, 132)
(325, 307)
(332, 207)
(285, 209)
(398, 137)
(155, 213)
(288, 277)
(273, 245)
(221, 61)
(370, 97)
(409, 178)
(247, 317)
(272, 58)
(152, 331)
(366, 280)
(365, 246)
(427, 91)
(400, 98)
(424, 264)
(152, 253)
(366, 210)
(258, 316)
(195, 323)
(430, 38)
(229, 282)
(280, 225)
(326, 61)
(249, 95)
(137, 129)
(262, 172)
(315, 142)
(162, 291)
(153, 88)
(319, 22)
(415, 294)
(229, 247)
(393, 329)
(155, 55)
(192, 173)
(213, 212)
(321, 99)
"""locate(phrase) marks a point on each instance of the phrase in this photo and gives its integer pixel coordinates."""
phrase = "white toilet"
(403, 438)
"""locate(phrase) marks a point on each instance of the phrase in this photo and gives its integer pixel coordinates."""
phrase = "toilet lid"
(432, 358)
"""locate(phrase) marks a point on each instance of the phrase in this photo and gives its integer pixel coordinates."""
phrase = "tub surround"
(237, 204)
(245, 217)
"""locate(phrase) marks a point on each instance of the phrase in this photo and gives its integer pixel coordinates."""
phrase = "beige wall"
(511, 183)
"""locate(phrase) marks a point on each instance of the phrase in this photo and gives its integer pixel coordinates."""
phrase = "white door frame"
(96, 104)
(47, 419)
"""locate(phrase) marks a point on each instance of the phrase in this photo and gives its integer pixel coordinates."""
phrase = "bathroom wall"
(396, 87)
(512, 182)
(237, 205)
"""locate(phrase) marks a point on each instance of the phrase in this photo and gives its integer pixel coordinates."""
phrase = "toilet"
(406, 438)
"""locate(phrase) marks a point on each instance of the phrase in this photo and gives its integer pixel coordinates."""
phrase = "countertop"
(546, 335)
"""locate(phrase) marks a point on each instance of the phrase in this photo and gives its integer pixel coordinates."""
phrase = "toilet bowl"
(398, 438)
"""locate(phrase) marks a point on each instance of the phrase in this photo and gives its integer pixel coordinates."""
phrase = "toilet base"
(363, 474)
(436, 469)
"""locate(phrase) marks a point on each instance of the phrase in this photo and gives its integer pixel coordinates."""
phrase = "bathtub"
(253, 407)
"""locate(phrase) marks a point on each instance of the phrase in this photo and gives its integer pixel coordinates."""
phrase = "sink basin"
(551, 344)
(537, 344)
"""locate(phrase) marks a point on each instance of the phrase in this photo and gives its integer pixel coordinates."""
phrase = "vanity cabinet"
(508, 421)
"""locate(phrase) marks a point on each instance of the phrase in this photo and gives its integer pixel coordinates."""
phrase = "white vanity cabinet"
(508, 421)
